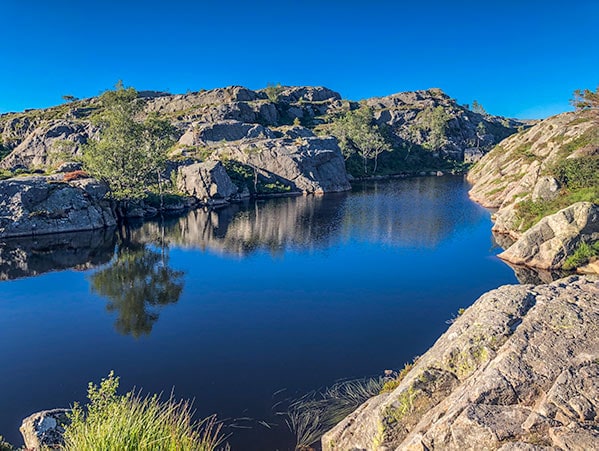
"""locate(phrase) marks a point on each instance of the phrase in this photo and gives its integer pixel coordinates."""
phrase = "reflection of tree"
(137, 283)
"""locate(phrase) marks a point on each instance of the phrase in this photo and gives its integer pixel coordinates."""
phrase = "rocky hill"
(519, 370)
(545, 184)
(236, 119)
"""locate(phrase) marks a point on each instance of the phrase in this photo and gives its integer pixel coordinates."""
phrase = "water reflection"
(137, 283)
(416, 212)
(32, 256)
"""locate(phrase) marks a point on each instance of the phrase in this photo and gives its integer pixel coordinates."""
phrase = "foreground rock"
(41, 205)
(44, 430)
(548, 244)
(518, 370)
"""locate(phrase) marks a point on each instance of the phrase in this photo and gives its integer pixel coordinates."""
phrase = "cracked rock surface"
(519, 370)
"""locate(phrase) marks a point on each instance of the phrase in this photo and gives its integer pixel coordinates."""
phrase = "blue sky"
(517, 58)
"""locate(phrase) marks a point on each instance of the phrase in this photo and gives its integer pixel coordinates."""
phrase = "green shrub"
(4, 174)
(130, 422)
(4, 445)
(577, 173)
(583, 254)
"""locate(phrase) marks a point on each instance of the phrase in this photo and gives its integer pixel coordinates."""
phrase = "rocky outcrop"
(208, 182)
(307, 165)
(54, 140)
(45, 429)
(548, 244)
(512, 170)
(203, 133)
(406, 116)
(518, 177)
(41, 205)
(518, 370)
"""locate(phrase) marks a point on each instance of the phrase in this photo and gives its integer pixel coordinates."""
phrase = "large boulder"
(207, 181)
(308, 165)
(44, 430)
(552, 240)
(41, 205)
(518, 370)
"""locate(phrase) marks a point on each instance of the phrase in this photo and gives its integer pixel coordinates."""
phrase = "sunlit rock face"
(518, 370)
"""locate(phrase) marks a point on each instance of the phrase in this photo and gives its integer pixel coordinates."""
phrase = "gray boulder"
(308, 165)
(552, 240)
(40, 205)
(207, 181)
(518, 370)
(546, 189)
(45, 429)
(70, 166)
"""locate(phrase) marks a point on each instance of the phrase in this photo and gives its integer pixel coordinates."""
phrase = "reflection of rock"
(548, 243)
(24, 257)
(399, 213)
(39, 205)
(136, 284)
(44, 430)
(535, 276)
(519, 367)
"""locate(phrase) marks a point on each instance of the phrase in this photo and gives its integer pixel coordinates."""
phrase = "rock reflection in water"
(137, 283)
(32, 256)
(414, 212)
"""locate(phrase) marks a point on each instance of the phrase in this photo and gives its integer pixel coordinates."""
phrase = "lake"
(230, 306)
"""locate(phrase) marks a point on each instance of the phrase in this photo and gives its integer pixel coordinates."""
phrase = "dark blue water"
(230, 306)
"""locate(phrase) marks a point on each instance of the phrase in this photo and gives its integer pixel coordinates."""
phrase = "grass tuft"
(131, 422)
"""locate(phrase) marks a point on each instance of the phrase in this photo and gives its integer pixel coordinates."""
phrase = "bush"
(578, 173)
(130, 422)
(584, 253)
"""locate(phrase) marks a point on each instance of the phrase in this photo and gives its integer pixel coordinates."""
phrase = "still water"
(230, 306)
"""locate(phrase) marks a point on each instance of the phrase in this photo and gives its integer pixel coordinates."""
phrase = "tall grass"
(131, 422)
(310, 416)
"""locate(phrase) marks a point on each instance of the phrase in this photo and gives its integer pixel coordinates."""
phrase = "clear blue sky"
(517, 58)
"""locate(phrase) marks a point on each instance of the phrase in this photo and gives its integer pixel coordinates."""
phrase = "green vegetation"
(585, 99)
(584, 253)
(359, 135)
(392, 384)
(5, 174)
(244, 175)
(310, 416)
(478, 108)
(130, 155)
(4, 445)
(130, 422)
(273, 91)
(434, 121)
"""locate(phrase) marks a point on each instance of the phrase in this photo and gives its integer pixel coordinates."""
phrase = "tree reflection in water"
(137, 283)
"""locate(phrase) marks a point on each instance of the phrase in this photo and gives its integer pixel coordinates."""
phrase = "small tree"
(478, 108)
(273, 90)
(130, 154)
(69, 98)
(358, 134)
(481, 131)
(585, 99)
(434, 120)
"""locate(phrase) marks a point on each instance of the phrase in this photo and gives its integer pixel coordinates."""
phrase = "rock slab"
(41, 205)
(518, 370)
(548, 243)
(207, 181)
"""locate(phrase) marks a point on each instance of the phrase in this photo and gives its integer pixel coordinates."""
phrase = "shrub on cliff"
(130, 422)
(130, 154)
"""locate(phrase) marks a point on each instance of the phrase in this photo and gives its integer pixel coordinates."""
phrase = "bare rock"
(203, 133)
(519, 370)
(207, 181)
(40, 205)
(44, 429)
(546, 188)
(552, 240)
(308, 165)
